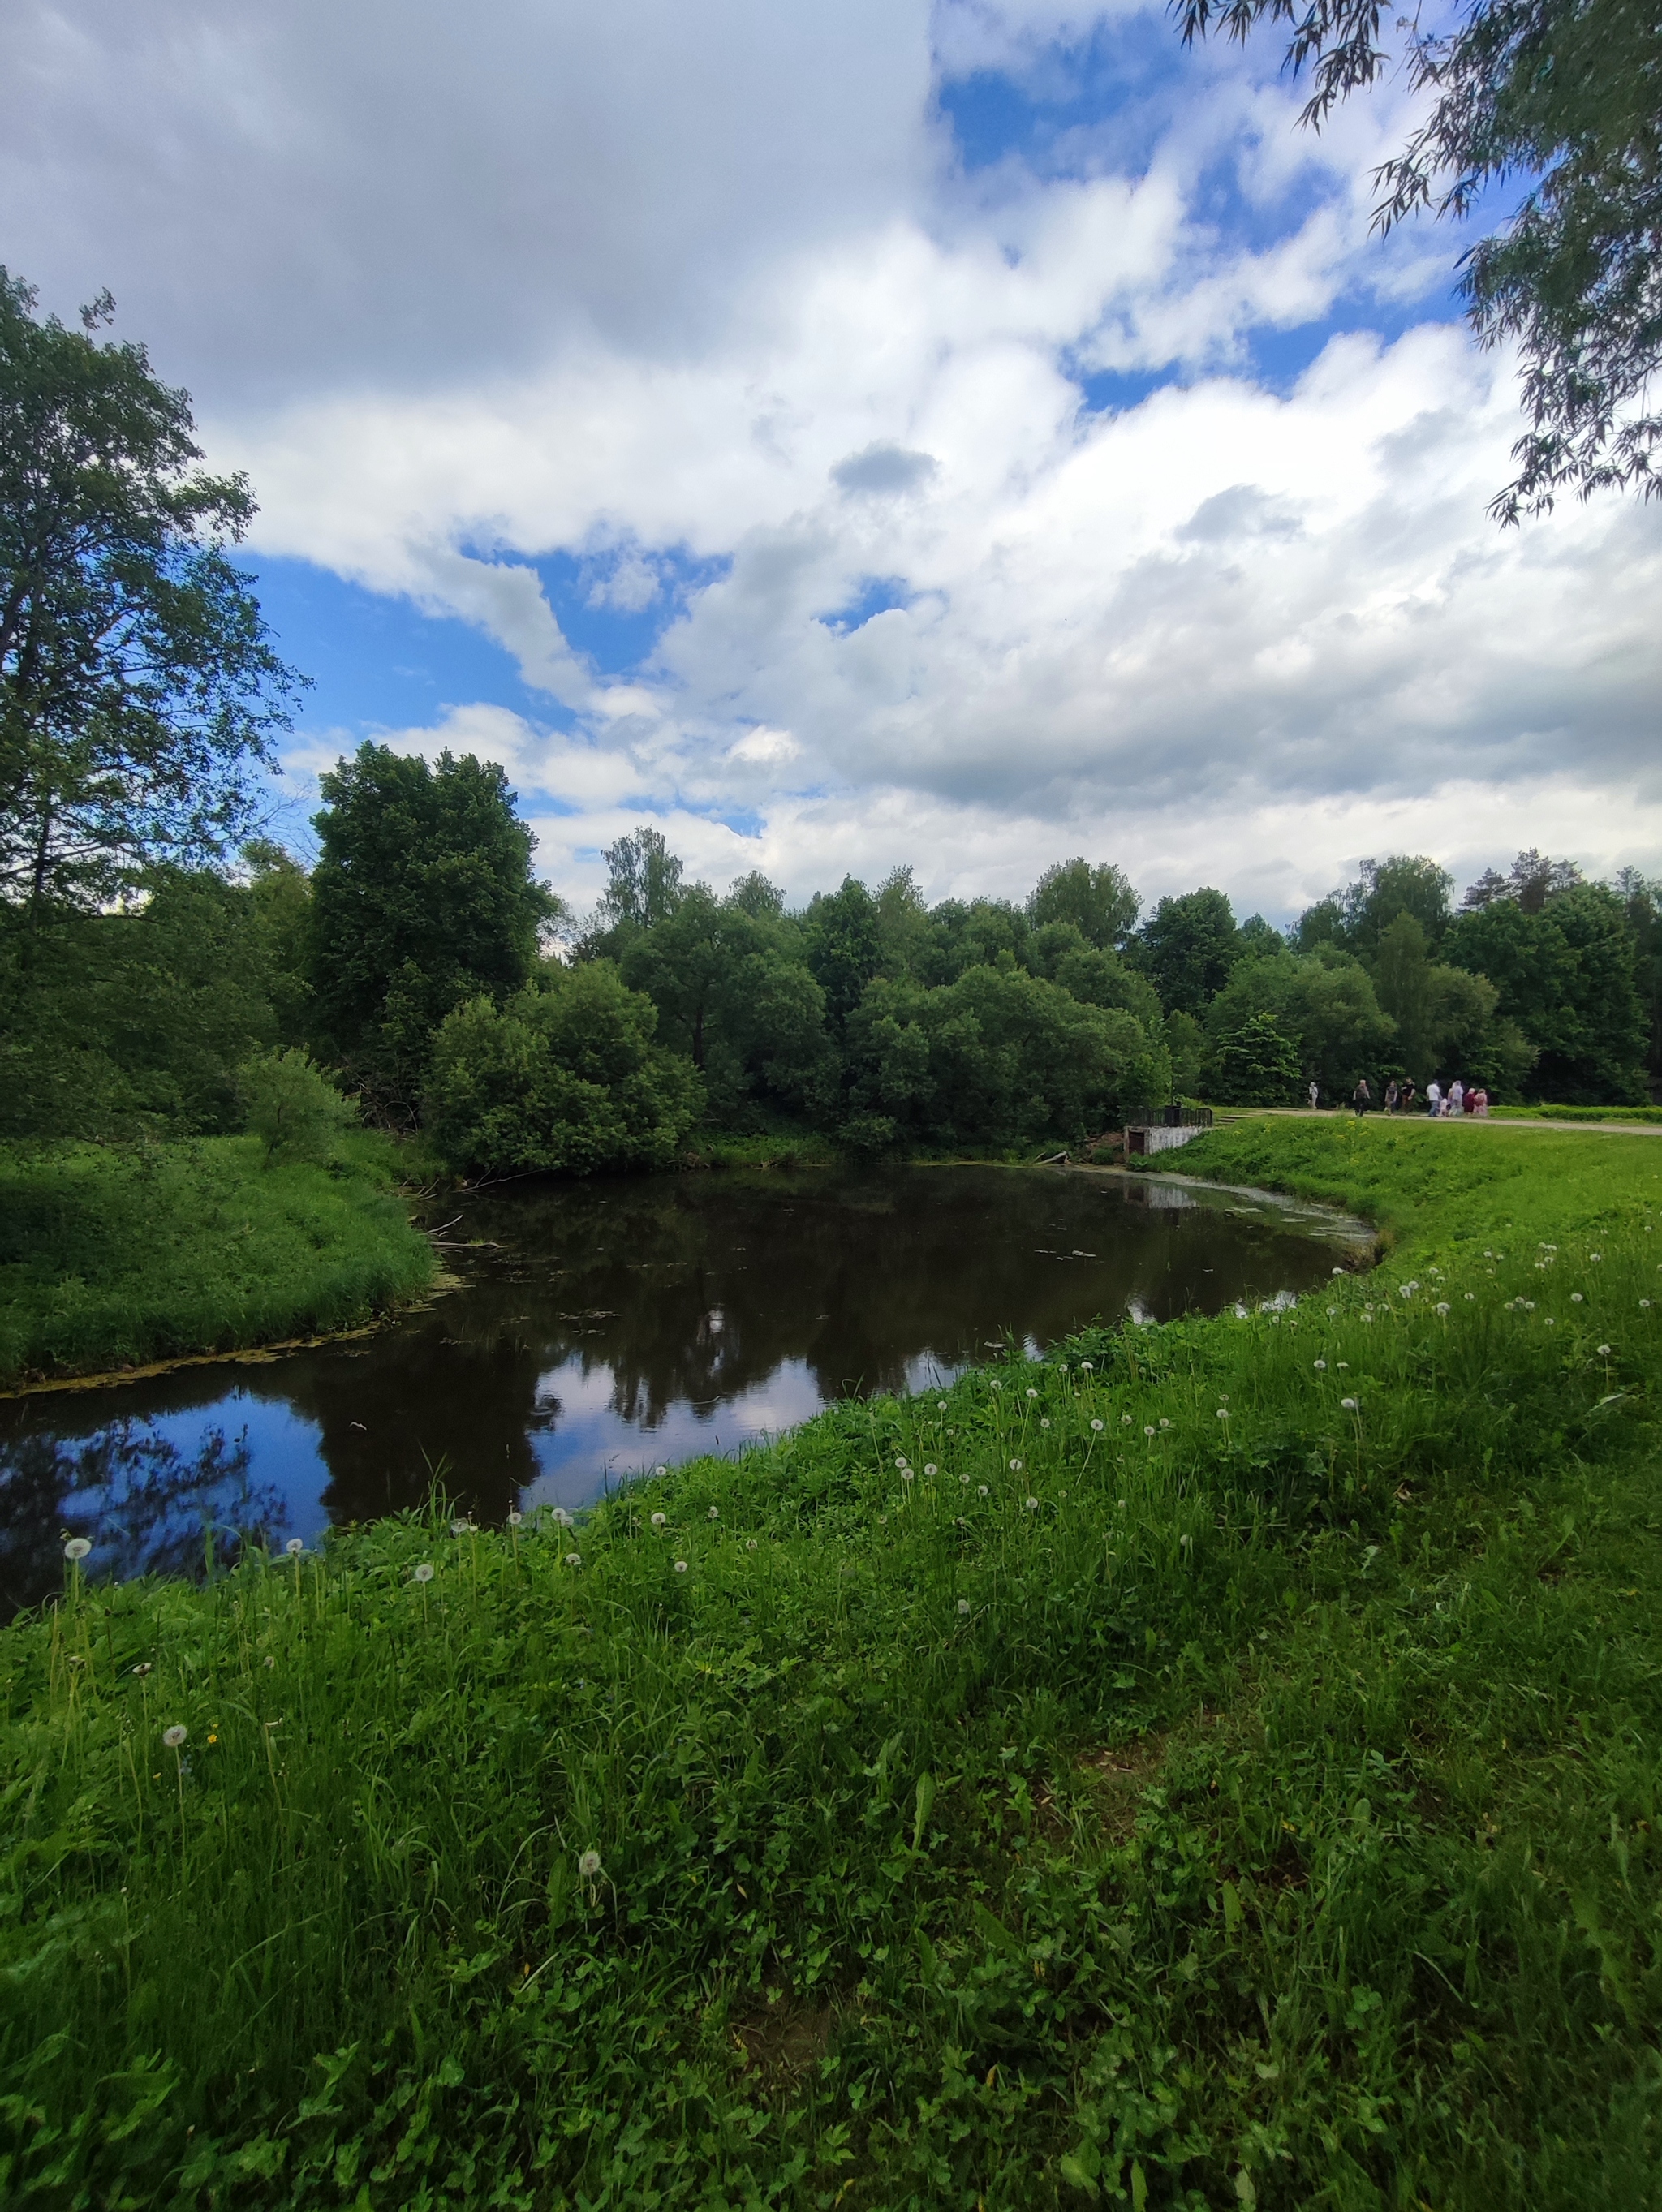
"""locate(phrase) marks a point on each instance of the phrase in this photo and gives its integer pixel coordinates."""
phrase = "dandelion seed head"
(1148, 1428)
(1442, 1306)
(173, 1736)
(1044, 1425)
(561, 1518)
(1350, 1405)
(515, 1520)
(574, 1559)
(1085, 1367)
(940, 1404)
(589, 1866)
(1321, 1367)
(1097, 1426)
(1125, 1420)
(930, 1469)
(982, 1490)
(1604, 1351)
(680, 1566)
(295, 1546)
(271, 1660)
(76, 1548)
(906, 1475)
(660, 1519)
(661, 1470)
(714, 1514)
(1223, 1413)
(1164, 1423)
(424, 1571)
(750, 1543)
(1033, 1393)
(1015, 1467)
(142, 1668)
(1032, 1505)
(964, 1605)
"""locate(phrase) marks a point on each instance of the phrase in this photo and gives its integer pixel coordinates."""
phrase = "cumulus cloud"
(968, 525)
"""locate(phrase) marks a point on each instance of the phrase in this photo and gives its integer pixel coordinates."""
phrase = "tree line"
(165, 971)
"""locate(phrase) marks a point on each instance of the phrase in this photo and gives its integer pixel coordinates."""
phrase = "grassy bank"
(112, 1259)
(1217, 1766)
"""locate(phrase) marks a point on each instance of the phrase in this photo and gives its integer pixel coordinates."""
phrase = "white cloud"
(655, 288)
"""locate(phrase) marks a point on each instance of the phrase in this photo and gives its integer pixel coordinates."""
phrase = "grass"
(1051, 1793)
(115, 1259)
(1649, 1114)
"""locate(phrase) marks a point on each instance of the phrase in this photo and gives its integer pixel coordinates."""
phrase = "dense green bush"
(564, 1078)
(292, 1108)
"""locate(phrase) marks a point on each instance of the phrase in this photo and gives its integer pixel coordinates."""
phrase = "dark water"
(606, 1326)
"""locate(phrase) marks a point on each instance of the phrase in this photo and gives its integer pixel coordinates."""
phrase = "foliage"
(135, 1020)
(644, 887)
(1446, 1017)
(1565, 974)
(1256, 1065)
(292, 1108)
(1185, 1042)
(1263, 1815)
(999, 1058)
(1099, 901)
(1562, 92)
(1530, 881)
(562, 1078)
(422, 897)
(1323, 1006)
(841, 931)
(1188, 948)
(108, 1258)
(137, 683)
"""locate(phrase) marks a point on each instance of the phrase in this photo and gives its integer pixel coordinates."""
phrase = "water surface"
(604, 1327)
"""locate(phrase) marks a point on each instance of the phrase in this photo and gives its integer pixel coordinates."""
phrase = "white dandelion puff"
(1321, 1367)
(1351, 1405)
(1085, 1367)
(714, 1514)
(1044, 1425)
(680, 1566)
(964, 1605)
(1015, 1467)
(661, 1470)
(750, 1543)
(1442, 1306)
(561, 1518)
(424, 1573)
(1032, 1505)
(660, 1519)
(515, 1520)
(589, 1866)
(173, 1736)
(906, 1475)
(76, 1548)
(1223, 1413)
(930, 1469)
(574, 1559)
(1125, 1420)
(1164, 1423)
(1604, 1351)
(1575, 1297)
(1148, 1428)
(1097, 1426)
(294, 1547)
(982, 1490)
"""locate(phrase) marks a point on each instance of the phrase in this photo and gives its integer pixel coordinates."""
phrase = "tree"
(643, 884)
(1562, 93)
(564, 1078)
(1256, 1065)
(1565, 975)
(1323, 1004)
(1187, 948)
(1099, 901)
(1532, 880)
(1096, 976)
(842, 931)
(292, 1107)
(1643, 902)
(423, 899)
(1356, 916)
(139, 686)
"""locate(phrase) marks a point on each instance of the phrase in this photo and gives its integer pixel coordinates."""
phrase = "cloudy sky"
(964, 436)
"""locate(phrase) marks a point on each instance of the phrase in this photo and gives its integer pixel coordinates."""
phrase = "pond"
(598, 1328)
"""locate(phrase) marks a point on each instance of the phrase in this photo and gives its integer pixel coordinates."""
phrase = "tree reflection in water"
(146, 1506)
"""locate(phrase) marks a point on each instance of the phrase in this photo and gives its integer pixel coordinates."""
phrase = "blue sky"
(962, 434)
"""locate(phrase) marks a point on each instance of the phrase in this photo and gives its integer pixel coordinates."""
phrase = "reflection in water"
(604, 1326)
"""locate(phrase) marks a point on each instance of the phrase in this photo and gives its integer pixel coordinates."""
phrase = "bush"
(564, 1079)
(292, 1108)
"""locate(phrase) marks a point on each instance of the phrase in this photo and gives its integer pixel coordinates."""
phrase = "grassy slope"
(108, 1260)
(1259, 1811)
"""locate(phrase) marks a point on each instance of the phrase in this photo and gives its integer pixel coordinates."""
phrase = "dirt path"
(1463, 1122)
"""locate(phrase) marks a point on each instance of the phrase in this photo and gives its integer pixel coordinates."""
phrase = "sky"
(959, 435)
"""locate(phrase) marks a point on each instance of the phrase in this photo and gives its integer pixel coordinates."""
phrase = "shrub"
(564, 1078)
(290, 1104)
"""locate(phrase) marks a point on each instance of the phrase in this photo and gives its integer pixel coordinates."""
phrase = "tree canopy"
(138, 685)
(1561, 94)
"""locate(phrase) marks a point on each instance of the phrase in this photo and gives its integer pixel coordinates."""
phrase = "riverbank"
(112, 1259)
(1213, 1766)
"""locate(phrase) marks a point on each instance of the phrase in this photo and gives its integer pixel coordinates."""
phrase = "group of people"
(1455, 1103)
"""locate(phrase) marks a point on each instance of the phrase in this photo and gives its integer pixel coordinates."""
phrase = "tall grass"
(110, 1259)
(1143, 1777)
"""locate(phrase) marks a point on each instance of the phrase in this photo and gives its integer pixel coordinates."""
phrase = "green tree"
(1325, 1006)
(1447, 1019)
(1643, 901)
(292, 1108)
(1565, 975)
(643, 888)
(422, 897)
(1185, 1044)
(1188, 947)
(1256, 1065)
(1096, 975)
(973, 934)
(1561, 93)
(1356, 917)
(139, 686)
(1099, 901)
(280, 890)
(562, 1078)
(843, 935)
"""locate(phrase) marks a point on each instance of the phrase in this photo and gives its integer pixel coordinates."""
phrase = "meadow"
(113, 1257)
(1215, 1765)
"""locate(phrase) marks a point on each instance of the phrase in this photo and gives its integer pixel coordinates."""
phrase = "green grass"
(113, 1258)
(1651, 1114)
(1178, 1811)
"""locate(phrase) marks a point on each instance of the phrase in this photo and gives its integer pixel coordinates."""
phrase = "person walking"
(1408, 1095)
(1361, 1098)
(1457, 1098)
(1434, 1099)
(1477, 1103)
(1393, 1096)
(1315, 1095)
